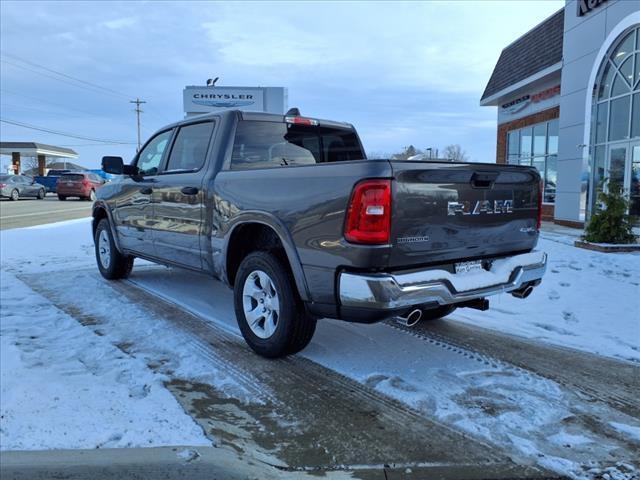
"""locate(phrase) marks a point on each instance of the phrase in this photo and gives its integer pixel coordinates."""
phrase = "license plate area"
(465, 268)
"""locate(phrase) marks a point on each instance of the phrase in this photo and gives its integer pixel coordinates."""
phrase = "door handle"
(189, 190)
(146, 190)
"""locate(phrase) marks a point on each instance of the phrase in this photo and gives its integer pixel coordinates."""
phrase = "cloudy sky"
(403, 73)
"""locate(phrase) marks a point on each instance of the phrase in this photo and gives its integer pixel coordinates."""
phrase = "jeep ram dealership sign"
(212, 99)
(517, 105)
(585, 6)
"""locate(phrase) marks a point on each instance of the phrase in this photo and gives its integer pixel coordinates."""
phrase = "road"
(306, 415)
(28, 212)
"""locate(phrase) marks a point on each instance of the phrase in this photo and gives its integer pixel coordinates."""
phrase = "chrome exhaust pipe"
(523, 292)
(411, 319)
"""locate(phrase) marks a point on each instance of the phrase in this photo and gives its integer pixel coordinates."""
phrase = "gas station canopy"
(31, 149)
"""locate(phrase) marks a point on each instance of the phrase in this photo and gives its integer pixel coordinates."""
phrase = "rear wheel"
(112, 264)
(41, 194)
(61, 197)
(92, 196)
(270, 315)
(15, 195)
(437, 313)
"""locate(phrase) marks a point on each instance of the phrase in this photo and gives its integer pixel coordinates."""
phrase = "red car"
(79, 184)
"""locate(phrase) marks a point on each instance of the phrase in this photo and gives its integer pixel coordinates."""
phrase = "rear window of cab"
(277, 144)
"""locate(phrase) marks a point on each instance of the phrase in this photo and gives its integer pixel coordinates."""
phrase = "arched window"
(616, 119)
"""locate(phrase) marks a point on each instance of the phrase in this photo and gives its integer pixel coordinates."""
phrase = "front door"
(178, 196)
(133, 207)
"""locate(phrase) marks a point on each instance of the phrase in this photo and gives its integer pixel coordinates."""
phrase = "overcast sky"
(402, 73)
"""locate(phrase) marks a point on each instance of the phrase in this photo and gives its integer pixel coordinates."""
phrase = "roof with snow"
(539, 48)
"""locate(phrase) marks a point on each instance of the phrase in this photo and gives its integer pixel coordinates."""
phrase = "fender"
(101, 205)
(268, 219)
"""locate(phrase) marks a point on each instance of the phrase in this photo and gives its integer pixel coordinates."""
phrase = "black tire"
(14, 195)
(41, 194)
(294, 328)
(437, 313)
(61, 197)
(119, 265)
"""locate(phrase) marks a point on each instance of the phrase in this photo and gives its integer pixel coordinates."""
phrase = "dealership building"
(568, 99)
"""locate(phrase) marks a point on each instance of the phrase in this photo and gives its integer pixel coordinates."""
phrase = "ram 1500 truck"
(289, 212)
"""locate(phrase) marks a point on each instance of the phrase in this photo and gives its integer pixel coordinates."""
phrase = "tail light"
(301, 121)
(540, 193)
(2, 185)
(85, 182)
(369, 214)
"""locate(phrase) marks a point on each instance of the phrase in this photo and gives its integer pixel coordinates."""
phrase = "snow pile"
(63, 386)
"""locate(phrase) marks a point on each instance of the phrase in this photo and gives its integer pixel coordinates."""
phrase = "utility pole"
(138, 102)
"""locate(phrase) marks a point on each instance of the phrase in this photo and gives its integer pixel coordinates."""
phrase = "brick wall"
(501, 149)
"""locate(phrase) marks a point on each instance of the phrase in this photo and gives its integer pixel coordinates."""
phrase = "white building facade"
(568, 99)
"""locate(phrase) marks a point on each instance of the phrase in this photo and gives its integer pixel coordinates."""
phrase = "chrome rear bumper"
(393, 291)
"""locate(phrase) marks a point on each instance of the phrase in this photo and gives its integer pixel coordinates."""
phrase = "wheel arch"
(261, 232)
(99, 212)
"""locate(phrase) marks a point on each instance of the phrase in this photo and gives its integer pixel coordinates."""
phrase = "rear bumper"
(73, 191)
(388, 291)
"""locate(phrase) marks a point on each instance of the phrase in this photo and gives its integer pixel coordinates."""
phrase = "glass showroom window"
(615, 128)
(537, 146)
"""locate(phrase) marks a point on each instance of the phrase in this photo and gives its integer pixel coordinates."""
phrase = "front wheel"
(270, 315)
(112, 264)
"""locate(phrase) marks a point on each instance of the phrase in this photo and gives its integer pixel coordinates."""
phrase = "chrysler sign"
(212, 99)
(520, 103)
(585, 6)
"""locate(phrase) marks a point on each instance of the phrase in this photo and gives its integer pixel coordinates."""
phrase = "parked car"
(16, 186)
(50, 181)
(289, 212)
(79, 184)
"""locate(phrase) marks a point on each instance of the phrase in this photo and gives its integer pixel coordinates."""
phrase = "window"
(275, 144)
(190, 148)
(537, 146)
(151, 155)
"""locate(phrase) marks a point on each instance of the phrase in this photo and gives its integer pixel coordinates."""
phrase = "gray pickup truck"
(289, 212)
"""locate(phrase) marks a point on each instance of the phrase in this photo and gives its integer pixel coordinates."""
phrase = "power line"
(37, 99)
(63, 134)
(37, 65)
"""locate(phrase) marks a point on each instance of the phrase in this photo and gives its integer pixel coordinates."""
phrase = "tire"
(92, 196)
(437, 313)
(112, 264)
(61, 197)
(292, 328)
(14, 195)
(41, 194)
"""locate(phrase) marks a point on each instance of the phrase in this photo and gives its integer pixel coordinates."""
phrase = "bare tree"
(30, 164)
(455, 153)
(409, 151)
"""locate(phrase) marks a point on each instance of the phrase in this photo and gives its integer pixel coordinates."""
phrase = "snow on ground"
(587, 300)
(62, 386)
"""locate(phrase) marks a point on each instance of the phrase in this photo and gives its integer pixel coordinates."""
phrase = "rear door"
(455, 211)
(178, 197)
(133, 207)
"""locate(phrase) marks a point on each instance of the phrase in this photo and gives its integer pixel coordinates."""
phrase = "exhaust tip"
(412, 318)
(523, 292)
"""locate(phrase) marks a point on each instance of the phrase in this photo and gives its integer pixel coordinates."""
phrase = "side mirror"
(116, 166)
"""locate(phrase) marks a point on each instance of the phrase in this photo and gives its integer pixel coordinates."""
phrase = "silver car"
(15, 186)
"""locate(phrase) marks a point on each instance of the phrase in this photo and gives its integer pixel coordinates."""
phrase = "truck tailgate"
(457, 211)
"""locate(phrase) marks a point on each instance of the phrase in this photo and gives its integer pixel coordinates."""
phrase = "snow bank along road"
(157, 361)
